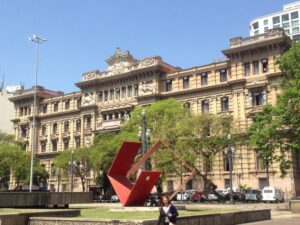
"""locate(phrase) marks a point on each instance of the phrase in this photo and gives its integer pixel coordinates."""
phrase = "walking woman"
(167, 212)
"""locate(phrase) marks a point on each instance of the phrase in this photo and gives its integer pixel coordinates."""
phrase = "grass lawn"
(104, 213)
(11, 210)
(6, 211)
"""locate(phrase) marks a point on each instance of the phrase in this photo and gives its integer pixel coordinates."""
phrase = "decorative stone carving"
(89, 76)
(147, 62)
(147, 86)
(88, 140)
(118, 68)
(87, 99)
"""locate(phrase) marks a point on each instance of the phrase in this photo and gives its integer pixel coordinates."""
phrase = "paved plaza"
(278, 221)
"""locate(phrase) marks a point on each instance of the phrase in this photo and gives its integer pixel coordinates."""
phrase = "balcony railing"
(270, 34)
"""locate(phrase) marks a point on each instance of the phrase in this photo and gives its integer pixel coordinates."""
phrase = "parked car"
(114, 198)
(272, 194)
(199, 197)
(185, 195)
(212, 197)
(223, 192)
(253, 195)
(153, 200)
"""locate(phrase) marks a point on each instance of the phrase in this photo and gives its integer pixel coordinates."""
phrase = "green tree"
(83, 163)
(264, 135)
(288, 106)
(206, 136)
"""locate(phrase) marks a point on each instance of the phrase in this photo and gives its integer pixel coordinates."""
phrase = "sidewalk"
(277, 221)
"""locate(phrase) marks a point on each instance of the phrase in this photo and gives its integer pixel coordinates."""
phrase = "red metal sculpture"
(132, 194)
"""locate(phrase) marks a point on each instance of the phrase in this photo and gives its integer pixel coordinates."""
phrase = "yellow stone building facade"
(238, 86)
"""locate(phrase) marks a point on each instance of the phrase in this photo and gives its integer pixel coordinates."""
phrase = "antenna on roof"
(2, 84)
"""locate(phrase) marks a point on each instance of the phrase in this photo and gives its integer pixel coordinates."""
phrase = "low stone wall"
(295, 206)
(23, 218)
(211, 219)
(42, 199)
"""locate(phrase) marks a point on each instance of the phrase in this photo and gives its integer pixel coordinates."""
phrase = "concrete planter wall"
(295, 206)
(23, 218)
(212, 219)
(41, 199)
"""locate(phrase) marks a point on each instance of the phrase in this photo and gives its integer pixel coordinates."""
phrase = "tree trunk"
(82, 183)
(267, 173)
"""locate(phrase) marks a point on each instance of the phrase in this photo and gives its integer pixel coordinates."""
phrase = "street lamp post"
(71, 164)
(144, 135)
(38, 41)
(229, 155)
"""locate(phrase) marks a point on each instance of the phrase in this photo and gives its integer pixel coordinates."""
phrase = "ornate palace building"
(238, 86)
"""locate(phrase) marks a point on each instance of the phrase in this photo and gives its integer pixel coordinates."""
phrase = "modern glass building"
(288, 19)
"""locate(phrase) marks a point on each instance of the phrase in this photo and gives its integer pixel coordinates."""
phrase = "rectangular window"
(169, 85)
(186, 82)
(295, 22)
(54, 145)
(255, 67)
(66, 143)
(117, 94)
(265, 65)
(226, 183)
(129, 93)
(170, 185)
(266, 22)
(24, 131)
(66, 126)
(67, 104)
(247, 69)
(55, 107)
(255, 25)
(78, 103)
(262, 182)
(88, 122)
(54, 128)
(44, 129)
(204, 78)
(112, 94)
(266, 29)
(286, 24)
(53, 172)
(45, 108)
(205, 107)
(295, 30)
(21, 111)
(285, 18)
(123, 92)
(77, 141)
(136, 90)
(258, 99)
(78, 125)
(276, 19)
(187, 105)
(226, 162)
(294, 15)
(296, 37)
(207, 167)
(43, 146)
(106, 95)
(287, 31)
(223, 75)
(100, 96)
(260, 163)
(224, 104)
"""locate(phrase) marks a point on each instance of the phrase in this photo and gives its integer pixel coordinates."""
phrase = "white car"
(185, 195)
(272, 194)
(114, 198)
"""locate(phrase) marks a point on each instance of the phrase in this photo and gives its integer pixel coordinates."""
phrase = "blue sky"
(82, 34)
